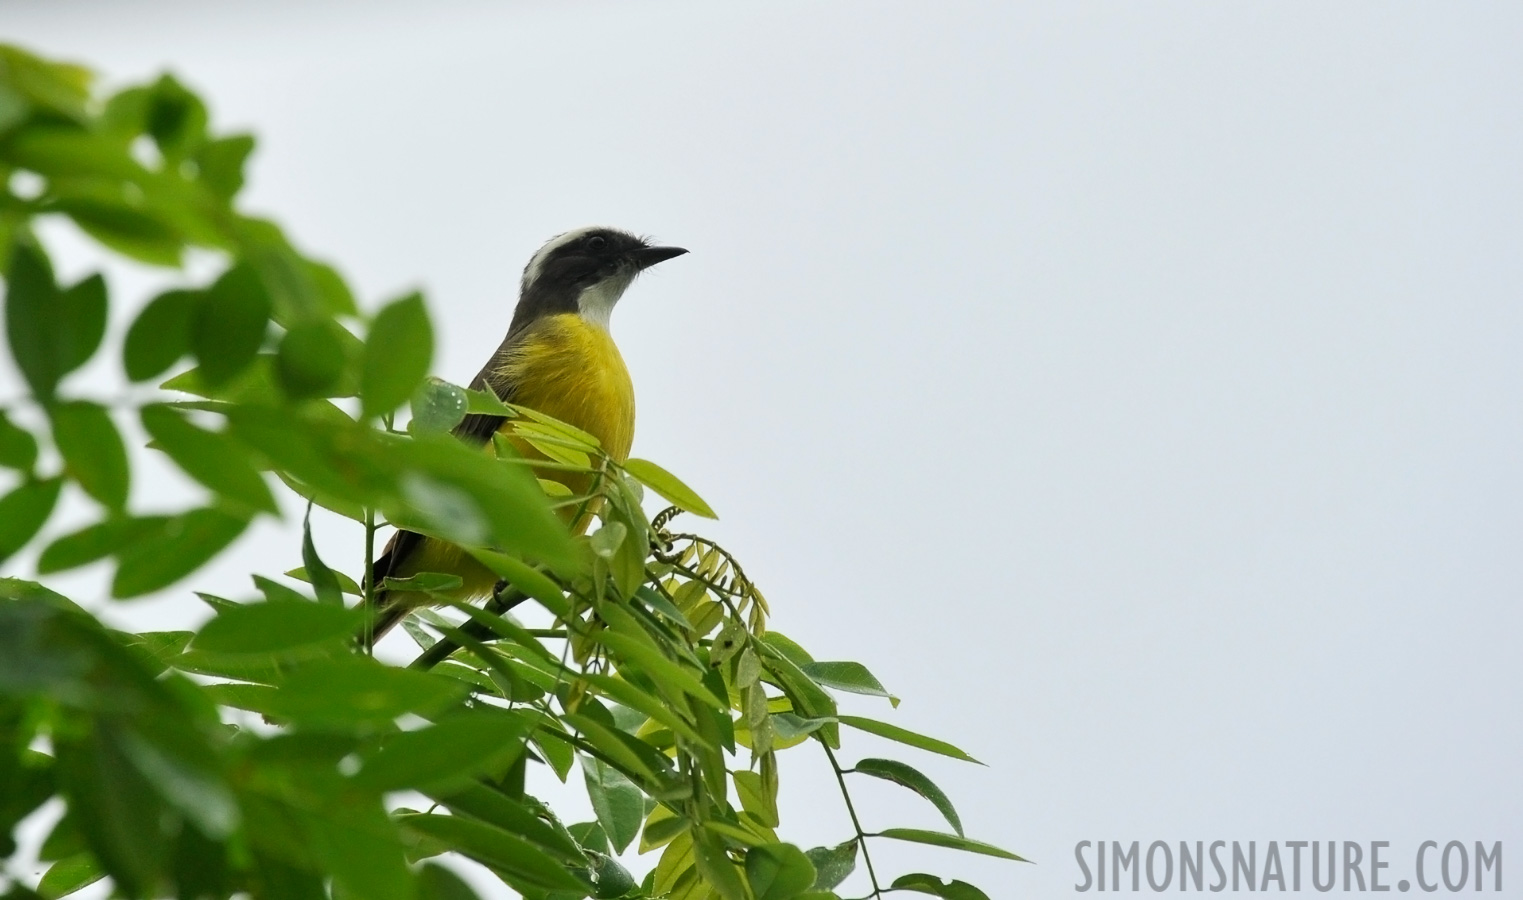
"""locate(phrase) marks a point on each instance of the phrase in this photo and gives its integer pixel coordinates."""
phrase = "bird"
(559, 359)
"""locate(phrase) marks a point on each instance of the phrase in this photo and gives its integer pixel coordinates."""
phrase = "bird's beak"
(649, 256)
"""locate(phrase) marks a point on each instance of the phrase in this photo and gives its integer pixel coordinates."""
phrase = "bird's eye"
(597, 242)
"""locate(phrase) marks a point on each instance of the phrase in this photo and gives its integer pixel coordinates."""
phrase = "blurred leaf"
(92, 450)
(23, 512)
(337, 300)
(175, 547)
(437, 405)
(69, 875)
(60, 88)
(455, 749)
(160, 335)
(228, 323)
(269, 628)
(311, 359)
(619, 804)
(953, 841)
(899, 773)
(905, 736)
(778, 871)
(120, 220)
(667, 485)
(356, 692)
(397, 354)
(435, 882)
(495, 848)
(93, 542)
(51, 332)
(115, 807)
(176, 118)
(847, 676)
(922, 883)
(221, 163)
(833, 864)
(210, 457)
(18, 449)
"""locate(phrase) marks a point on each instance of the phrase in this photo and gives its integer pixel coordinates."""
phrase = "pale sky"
(1134, 388)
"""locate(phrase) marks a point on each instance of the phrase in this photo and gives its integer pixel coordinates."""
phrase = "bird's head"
(586, 272)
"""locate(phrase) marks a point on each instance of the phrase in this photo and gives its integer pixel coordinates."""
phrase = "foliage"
(659, 678)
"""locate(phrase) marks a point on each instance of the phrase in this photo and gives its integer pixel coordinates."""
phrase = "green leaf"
(228, 323)
(23, 512)
(270, 628)
(437, 405)
(210, 457)
(496, 808)
(899, 773)
(939, 839)
(922, 883)
(175, 547)
(323, 579)
(345, 583)
(18, 449)
(619, 804)
(51, 332)
(397, 354)
(176, 118)
(356, 692)
(82, 310)
(847, 676)
(905, 736)
(449, 753)
(435, 882)
(160, 335)
(311, 359)
(93, 542)
(507, 853)
(120, 221)
(658, 667)
(755, 798)
(832, 865)
(778, 871)
(221, 163)
(667, 485)
(92, 450)
(69, 875)
(115, 807)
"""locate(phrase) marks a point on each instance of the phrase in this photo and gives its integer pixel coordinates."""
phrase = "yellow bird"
(559, 359)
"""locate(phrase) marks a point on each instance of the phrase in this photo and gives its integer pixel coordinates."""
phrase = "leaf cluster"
(267, 753)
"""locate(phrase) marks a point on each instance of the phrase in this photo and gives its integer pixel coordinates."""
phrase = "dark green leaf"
(39, 341)
(449, 753)
(82, 311)
(899, 773)
(905, 736)
(669, 486)
(276, 627)
(316, 572)
(494, 847)
(23, 511)
(613, 880)
(619, 804)
(437, 405)
(356, 692)
(939, 839)
(178, 546)
(176, 118)
(311, 359)
(92, 450)
(833, 864)
(210, 457)
(18, 449)
(228, 323)
(495, 808)
(435, 882)
(398, 351)
(778, 871)
(121, 221)
(115, 807)
(160, 335)
(922, 883)
(69, 875)
(651, 598)
(93, 542)
(847, 676)
(345, 583)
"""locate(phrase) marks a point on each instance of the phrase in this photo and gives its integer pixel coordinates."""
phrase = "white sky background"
(1135, 389)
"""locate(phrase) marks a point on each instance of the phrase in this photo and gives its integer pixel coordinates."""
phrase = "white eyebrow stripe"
(537, 261)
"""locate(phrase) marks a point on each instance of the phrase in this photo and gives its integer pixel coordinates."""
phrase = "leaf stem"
(855, 822)
(370, 609)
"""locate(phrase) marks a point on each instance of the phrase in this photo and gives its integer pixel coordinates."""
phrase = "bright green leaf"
(905, 736)
(69, 875)
(455, 749)
(210, 457)
(778, 871)
(437, 405)
(667, 485)
(178, 546)
(494, 847)
(398, 351)
(269, 628)
(619, 804)
(953, 841)
(92, 450)
(847, 676)
(311, 358)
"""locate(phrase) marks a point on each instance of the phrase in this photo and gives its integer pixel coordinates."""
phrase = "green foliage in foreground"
(267, 754)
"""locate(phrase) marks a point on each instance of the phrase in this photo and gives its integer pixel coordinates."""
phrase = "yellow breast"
(570, 369)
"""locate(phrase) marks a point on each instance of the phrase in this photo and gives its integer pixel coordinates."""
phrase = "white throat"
(596, 302)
